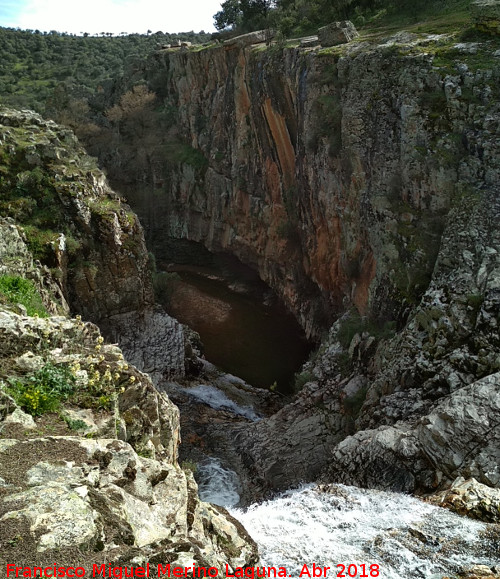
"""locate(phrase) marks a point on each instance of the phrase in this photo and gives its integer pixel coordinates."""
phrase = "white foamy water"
(217, 484)
(357, 528)
(407, 538)
(219, 401)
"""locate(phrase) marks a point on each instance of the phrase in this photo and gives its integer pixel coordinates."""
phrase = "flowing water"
(366, 531)
(216, 399)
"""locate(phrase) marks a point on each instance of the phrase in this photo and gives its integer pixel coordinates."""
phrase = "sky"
(116, 16)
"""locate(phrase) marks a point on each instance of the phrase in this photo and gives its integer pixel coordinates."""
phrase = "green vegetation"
(44, 390)
(301, 379)
(356, 324)
(18, 290)
(75, 424)
(189, 465)
(294, 18)
(183, 153)
(49, 72)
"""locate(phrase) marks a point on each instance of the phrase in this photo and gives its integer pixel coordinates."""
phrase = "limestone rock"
(392, 211)
(7, 403)
(151, 340)
(256, 37)
(16, 260)
(14, 254)
(337, 33)
(292, 446)
(114, 277)
(20, 417)
(28, 362)
(460, 437)
(149, 419)
(309, 41)
(279, 112)
(101, 496)
(113, 282)
(470, 498)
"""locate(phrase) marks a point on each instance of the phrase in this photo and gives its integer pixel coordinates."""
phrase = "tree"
(243, 15)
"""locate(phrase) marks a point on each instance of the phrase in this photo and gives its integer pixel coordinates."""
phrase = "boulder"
(309, 41)
(470, 498)
(337, 33)
(256, 37)
(20, 417)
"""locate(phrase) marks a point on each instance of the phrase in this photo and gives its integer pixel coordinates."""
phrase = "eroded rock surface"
(95, 242)
(470, 498)
(98, 501)
(362, 184)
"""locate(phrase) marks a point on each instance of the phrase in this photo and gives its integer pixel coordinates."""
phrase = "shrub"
(355, 324)
(19, 290)
(43, 391)
(302, 379)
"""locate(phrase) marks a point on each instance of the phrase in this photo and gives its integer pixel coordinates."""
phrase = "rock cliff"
(89, 240)
(361, 182)
(330, 171)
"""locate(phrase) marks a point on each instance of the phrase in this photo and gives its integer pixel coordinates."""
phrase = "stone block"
(337, 33)
(309, 41)
(257, 37)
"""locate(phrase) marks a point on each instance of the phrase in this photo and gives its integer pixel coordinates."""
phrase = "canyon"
(360, 183)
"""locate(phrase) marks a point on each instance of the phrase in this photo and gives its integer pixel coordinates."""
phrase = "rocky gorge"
(361, 183)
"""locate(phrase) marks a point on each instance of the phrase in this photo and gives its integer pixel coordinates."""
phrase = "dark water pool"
(244, 329)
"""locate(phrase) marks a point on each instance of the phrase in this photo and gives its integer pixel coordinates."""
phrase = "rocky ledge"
(96, 479)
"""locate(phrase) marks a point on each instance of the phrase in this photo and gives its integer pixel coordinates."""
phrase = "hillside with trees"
(47, 72)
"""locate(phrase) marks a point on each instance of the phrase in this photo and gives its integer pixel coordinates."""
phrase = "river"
(245, 330)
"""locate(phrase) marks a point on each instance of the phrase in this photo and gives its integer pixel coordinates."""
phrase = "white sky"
(95, 16)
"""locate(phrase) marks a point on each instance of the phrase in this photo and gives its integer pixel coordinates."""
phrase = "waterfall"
(216, 484)
(356, 532)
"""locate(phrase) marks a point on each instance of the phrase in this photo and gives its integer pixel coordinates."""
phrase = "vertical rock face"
(93, 232)
(331, 172)
(88, 446)
(355, 178)
(81, 229)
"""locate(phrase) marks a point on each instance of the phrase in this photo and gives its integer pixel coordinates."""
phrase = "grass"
(447, 17)
(19, 290)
